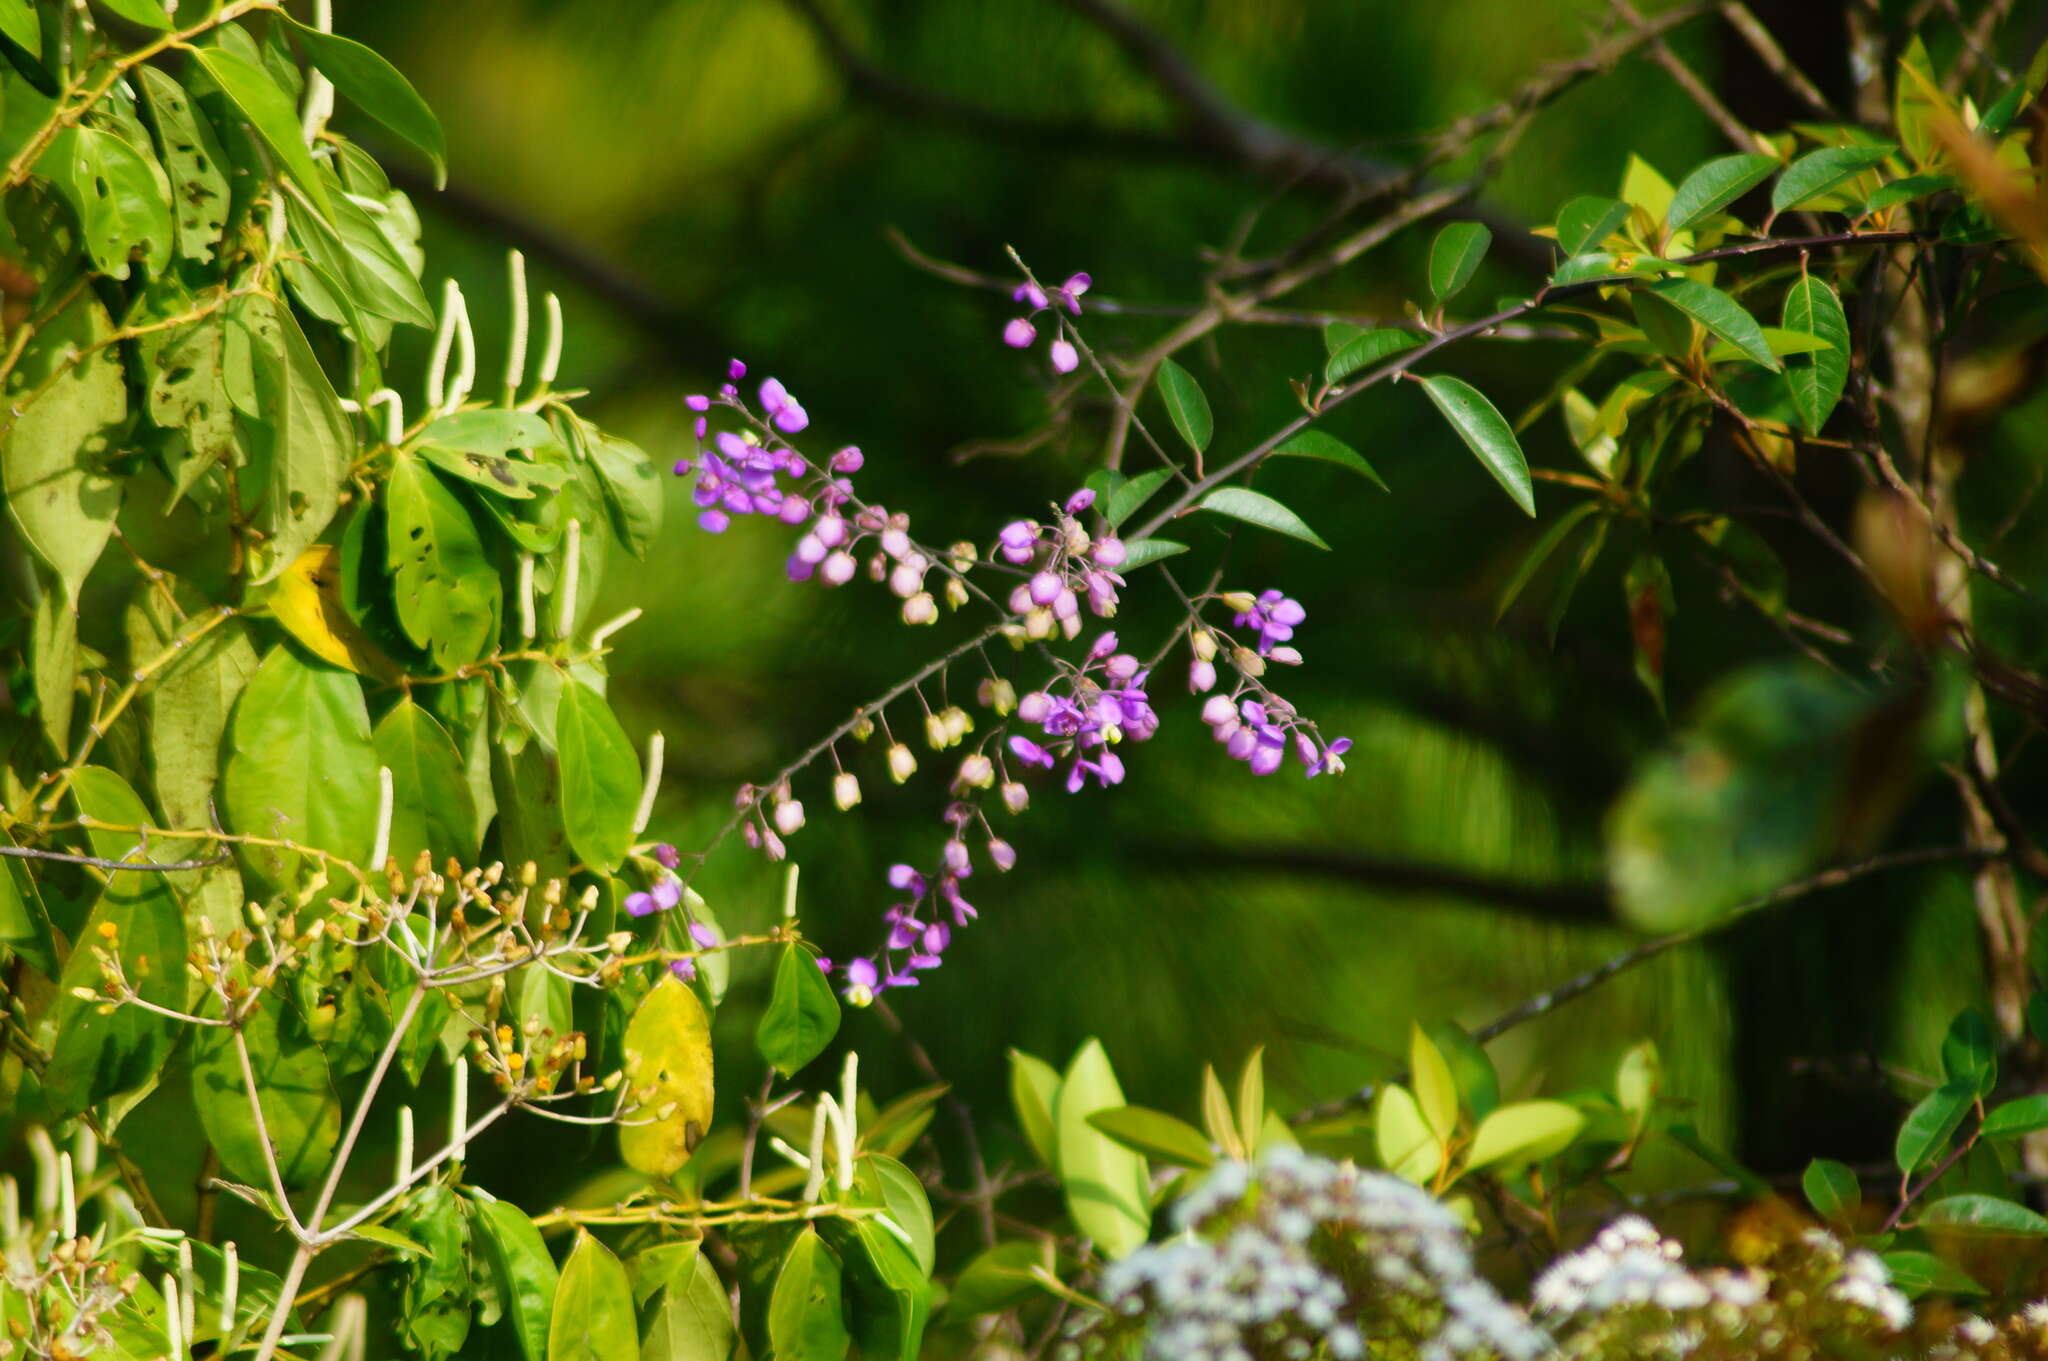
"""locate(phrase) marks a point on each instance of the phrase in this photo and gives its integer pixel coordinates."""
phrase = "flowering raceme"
(1021, 331)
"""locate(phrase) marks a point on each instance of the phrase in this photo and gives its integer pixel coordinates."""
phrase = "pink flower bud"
(895, 542)
(1065, 358)
(847, 460)
(1034, 707)
(920, 609)
(1016, 797)
(789, 816)
(1045, 588)
(1108, 553)
(1201, 677)
(845, 790)
(838, 569)
(1019, 333)
(1218, 710)
(1002, 854)
(1286, 656)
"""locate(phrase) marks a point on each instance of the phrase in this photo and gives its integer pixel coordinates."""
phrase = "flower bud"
(1241, 601)
(1065, 359)
(920, 609)
(1218, 710)
(902, 765)
(976, 772)
(1016, 797)
(1285, 655)
(789, 816)
(1108, 553)
(935, 734)
(958, 724)
(1002, 854)
(954, 856)
(863, 728)
(962, 555)
(1203, 644)
(1046, 588)
(1034, 707)
(1070, 626)
(847, 460)
(895, 542)
(845, 790)
(1039, 624)
(1248, 661)
(772, 844)
(1019, 332)
(956, 593)
(906, 579)
(996, 693)
(1201, 677)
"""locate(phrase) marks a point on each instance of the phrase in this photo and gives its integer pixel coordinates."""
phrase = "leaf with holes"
(192, 157)
(268, 110)
(447, 592)
(668, 1079)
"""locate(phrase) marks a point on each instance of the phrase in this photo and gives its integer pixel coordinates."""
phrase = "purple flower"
(861, 980)
(1275, 616)
(1030, 753)
(1331, 760)
(685, 969)
(703, 935)
(1017, 541)
(667, 856)
(1020, 332)
(665, 894)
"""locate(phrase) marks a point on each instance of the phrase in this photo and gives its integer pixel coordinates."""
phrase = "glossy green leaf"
(120, 195)
(1783, 342)
(1817, 380)
(668, 1079)
(356, 253)
(137, 923)
(1478, 1082)
(802, 1014)
(804, 1314)
(902, 1196)
(301, 1110)
(524, 1271)
(1367, 350)
(1927, 1128)
(1186, 406)
(1139, 552)
(1251, 1099)
(1554, 536)
(889, 1299)
(1454, 257)
(693, 1319)
(600, 777)
(1585, 223)
(593, 1314)
(1155, 1134)
(1725, 317)
(67, 402)
(1989, 1215)
(431, 806)
(148, 13)
(1257, 508)
(1714, 186)
(447, 591)
(1822, 172)
(1132, 493)
(1919, 1273)
(1907, 190)
(19, 26)
(1328, 448)
(2022, 1115)
(301, 767)
(269, 111)
(1402, 1136)
(633, 489)
(1106, 1185)
(24, 921)
(1486, 433)
(997, 1279)
(1436, 1092)
(1524, 1132)
(1969, 1052)
(53, 660)
(1034, 1091)
(1832, 1190)
(376, 87)
(1637, 1079)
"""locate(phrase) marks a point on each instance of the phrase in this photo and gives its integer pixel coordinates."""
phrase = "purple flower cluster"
(663, 895)
(1259, 731)
(1106, 704)
(739, 474)
(1021, 331)
(1274, 616)
(919, 929)
(1067, 567)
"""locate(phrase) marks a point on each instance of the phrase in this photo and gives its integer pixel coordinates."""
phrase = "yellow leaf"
(307, 601)
(1436, 1092)
(668, 1079)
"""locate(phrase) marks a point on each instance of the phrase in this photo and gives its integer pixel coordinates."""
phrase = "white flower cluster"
(1866, 1284)
(1259, 1271)
(1630, 1263)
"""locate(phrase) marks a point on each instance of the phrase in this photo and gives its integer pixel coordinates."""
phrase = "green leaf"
(633, 489)
(1478, 1083)
(1454, 256)
(693, 1321)
(1034, 1092)
(355, 252)
(120, 195)
(1928, 1127)
(1832, 1190)
(488, 431)
(804, 1314)
(1142, 551)
(1636, 1081)
(1257, 508)
(1338, 334)
(432, 809)
(19, 26)
(1723, 316)
(1783, 342)
(1821, 172)
(269, 111)
(1559, 530)
(1367, 350)
(1402, 1137)
(1107, 1187)
(136, 922)
(53, 656)
(2022, 1115)
(148, 13)
(593, 1315)
(1585, 223)
(1185, 405)
(1969, 1053)
(1155, 1134)
(525, 1273)
(302, 767)
(1486, 433)
(900, 1123)
(1908, 189)
(67, 404)
(24, 921)
(1990, 1215)
(668, 1071)
(1329, 449)
(1817, 380)
(1920, 1273)
(447, 592)
(1436, 1092)
(192, 157)
(802, 1014)
(513, 478)
(890, 1299)
(997, 1279)
(301, 1110)
(376, 87)
(1125, 500)
(600, 777)
(1714, 186)
(1668, 330)
(902, 1197)
(307, 437)
(1251, 1099)
(1524, 1132)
